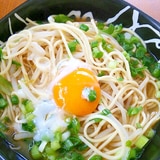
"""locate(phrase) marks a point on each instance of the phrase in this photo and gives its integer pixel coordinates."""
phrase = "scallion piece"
(106, 112)
(94, 44)
(97, 53)
(29, 126)
(61, 18)
(5, 86)
(14, 99)
(72, 45)
(28, 106)
(134, 110)
(84, 27)
(55, 145)
(35, 153)
(74, 126)
(157, 94)
(140, 143)
(112, 64)
(16, 63)
(96, 157)
(101, 73)
(92, 95)
(3, 103)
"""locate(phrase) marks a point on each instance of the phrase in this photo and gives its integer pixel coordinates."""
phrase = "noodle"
(43, 53)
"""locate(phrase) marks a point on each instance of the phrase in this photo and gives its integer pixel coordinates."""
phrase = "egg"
(76, 88)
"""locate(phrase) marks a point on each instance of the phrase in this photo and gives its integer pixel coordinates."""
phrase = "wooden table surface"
(151, 7)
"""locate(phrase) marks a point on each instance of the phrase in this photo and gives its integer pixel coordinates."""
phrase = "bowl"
(110, 11)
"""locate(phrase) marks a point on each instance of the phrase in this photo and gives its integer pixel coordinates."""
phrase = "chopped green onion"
(138, 125)
(100, 25)
(108, 47)
(29, 116)
(120, 79)
(126, 55)
(92, 95)
(55, 145)
(3, 103)
(134, 110)
(150, 133)
(84, 27)
(112, 64)
(96, 157)
(157, 94)
(132, 154)
(97, 53)
(94, 44)
(140, 143)
(140, 52)
(16, 63)
(14, 99)
(61, 18)
(101, 73)
(158, 84)
(74, 126)
(129, 143)
(106, 112)
(29, 126)
(68, 145)
(35, 153)
(5, 86)
(28, 106)
(156, 70)
(136, 69)
(72, 45)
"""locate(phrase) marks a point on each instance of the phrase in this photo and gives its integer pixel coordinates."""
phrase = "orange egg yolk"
(72, 91)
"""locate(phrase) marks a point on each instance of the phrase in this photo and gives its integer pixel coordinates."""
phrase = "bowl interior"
(101, 10)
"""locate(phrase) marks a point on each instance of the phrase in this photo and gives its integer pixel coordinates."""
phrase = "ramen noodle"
(77, 89)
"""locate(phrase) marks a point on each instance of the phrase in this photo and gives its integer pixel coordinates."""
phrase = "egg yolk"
(78, 92)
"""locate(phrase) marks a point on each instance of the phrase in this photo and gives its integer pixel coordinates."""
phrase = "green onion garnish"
(84, 27)
(72, 45)
(97, 53)
(134, 110)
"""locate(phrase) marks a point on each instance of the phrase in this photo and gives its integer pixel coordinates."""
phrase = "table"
(151, 7)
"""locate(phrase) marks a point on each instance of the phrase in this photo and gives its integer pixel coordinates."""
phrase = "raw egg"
(77, 92)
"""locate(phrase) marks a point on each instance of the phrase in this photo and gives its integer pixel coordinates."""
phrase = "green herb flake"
(128, 143)
(5, 86)
(14, 99)
(94, 44)
(29, 126)
(84, 27)
(92, 95)
(61, 18)
(101, 73)
(141, 141)
(136, 70)
(97, 53)
(74, 126)
(3, 103)
(120, 79)
(106, 112)
(72, 45)
(100, 25)
(134, 110)
(96, 157)
(16, 63)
